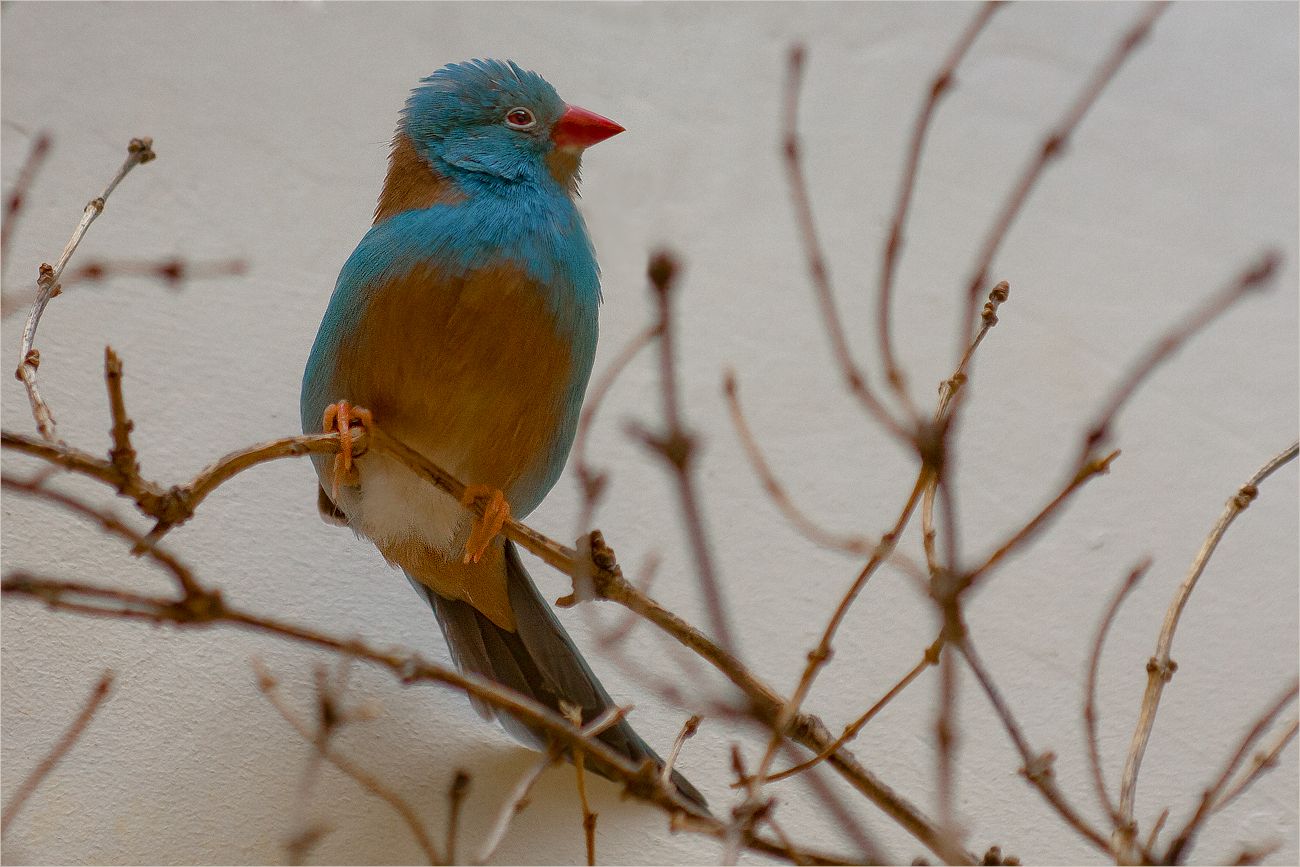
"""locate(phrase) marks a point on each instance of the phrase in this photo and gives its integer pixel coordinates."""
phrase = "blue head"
(488, 121)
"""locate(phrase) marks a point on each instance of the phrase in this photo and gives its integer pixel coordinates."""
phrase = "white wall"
(271, 124)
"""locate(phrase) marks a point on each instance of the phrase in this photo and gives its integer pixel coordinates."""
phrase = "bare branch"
(855, 380)
(821, 654)
(1088, 466)
(269, 686)
(1052, 147)
(1160, 668)
(1212, 799)
(1253, 278)
(677, 448)
(775, 491)
(456, 799)
(171, 272)
(16, 198)
(942, 82)
(929, 658)
(60, 749)
(139, 151)
(689, 728)
(1037, 768)
(1093, 467)
(1090, 691)
(515, 805)
(1260, 763)
(591, 480)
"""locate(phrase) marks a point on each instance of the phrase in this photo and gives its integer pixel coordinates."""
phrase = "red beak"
(578, 128)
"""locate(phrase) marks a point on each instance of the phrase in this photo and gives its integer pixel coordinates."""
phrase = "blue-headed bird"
(464, 324)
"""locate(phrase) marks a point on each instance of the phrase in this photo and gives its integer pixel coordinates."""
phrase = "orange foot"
(485, 528)
(341, 417)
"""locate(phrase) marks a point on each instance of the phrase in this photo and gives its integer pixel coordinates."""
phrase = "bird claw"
(486, 528)
(341, 417)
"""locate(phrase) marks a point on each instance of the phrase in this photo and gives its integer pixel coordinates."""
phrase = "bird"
(464, 324)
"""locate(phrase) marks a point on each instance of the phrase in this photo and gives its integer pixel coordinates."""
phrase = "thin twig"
(515, 805)
(574, 715)
(1090, 690)
(1160, 668)
(1262, 762)
(1212, 796)
(269, 686)
(942, 82)
(1254, 277)
(855, 380)
(775, 490)
(689, 728)
(173, 273)
(1037, 768)
(456, 799)
(109, 523)
(1094, 467)
(16, 198)
(139, 151)
(933, 443)
(1156, 828)
(593, 481)
(821, 654)
(100, 692)
(1052, 147)
(765, 703)
(677, 448)
(929, 658)
(945, 739)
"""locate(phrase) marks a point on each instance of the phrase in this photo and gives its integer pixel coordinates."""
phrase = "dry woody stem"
(1161, 666)
(98, 695)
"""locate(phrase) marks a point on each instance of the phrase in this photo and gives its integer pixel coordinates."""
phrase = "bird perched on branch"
(464, 324)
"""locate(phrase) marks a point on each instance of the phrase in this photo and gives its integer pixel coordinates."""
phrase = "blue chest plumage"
(454, 323)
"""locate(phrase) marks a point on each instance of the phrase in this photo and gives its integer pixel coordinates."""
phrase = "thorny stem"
(1161, 667)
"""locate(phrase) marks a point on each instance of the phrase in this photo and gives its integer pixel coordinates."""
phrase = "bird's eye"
(520, 118)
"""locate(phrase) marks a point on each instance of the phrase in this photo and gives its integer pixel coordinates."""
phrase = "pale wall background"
(271, 124)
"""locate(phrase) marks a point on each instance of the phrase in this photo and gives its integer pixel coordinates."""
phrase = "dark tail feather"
(540, 661)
